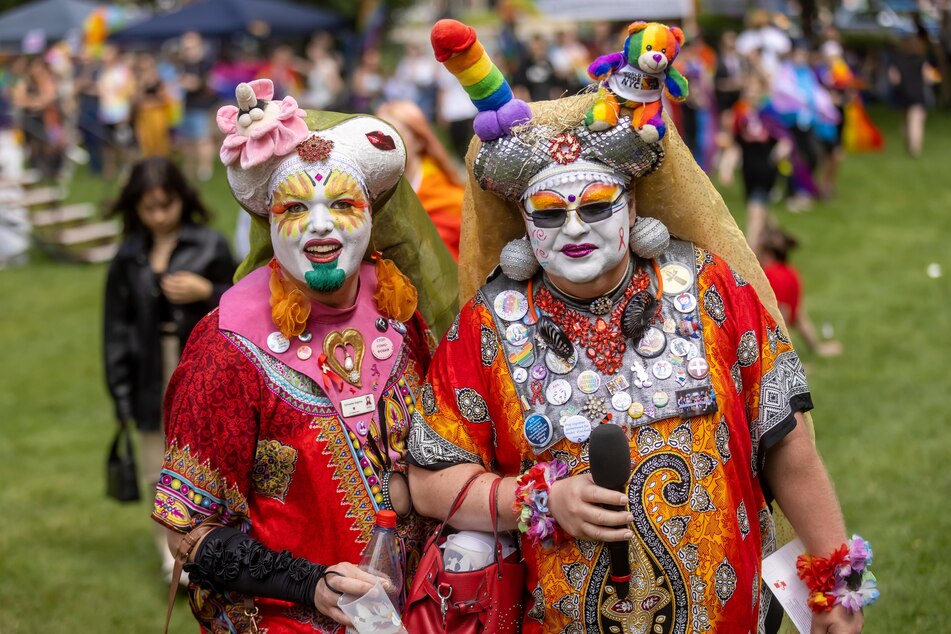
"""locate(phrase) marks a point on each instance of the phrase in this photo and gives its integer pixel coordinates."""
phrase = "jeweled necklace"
(601, 305)
(602, 340)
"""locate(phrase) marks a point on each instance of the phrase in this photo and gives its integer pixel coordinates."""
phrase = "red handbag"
(489, 600)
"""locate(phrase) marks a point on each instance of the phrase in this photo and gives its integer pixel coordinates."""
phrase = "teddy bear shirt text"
(634, 84)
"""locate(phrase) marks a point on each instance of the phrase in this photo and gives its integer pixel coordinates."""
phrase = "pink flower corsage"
(531, 502)
(274, 130)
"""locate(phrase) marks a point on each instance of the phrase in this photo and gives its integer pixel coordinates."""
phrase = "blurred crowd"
(765, 103)
(109, 105)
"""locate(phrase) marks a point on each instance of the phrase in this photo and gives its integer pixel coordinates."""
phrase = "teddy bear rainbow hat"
(519, 153)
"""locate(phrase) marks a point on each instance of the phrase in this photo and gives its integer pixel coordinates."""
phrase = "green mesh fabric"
(402, 231)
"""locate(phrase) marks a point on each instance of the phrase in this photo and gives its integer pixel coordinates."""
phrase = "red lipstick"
(322, 251)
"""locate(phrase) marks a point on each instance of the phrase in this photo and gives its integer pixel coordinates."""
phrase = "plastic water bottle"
(382, 557)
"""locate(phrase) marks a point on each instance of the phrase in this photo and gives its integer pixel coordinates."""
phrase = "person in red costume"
(785, 282)
(286, 420)
(596, 316)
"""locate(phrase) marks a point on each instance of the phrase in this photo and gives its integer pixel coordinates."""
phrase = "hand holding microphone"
(610, 458)
(578, 504)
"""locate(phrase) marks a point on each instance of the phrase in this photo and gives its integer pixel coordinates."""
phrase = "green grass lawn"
(73, 561)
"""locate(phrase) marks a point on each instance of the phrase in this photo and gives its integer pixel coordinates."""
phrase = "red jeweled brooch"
(564, 148)
(315, 148)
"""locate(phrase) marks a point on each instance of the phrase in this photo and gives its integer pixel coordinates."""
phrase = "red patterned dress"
(260, 444)
(702, 523)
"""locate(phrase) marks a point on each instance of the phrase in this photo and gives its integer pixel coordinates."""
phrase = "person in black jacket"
(170, 271)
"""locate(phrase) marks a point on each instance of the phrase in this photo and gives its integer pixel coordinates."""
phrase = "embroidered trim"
(294, 388)
(429, 448)
(786, 380)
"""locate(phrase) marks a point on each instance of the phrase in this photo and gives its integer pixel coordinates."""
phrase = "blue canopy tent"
(51, 20)
(223, 18)
(614, 10)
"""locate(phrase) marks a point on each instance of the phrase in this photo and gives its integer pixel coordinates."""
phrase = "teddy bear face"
(652, 47)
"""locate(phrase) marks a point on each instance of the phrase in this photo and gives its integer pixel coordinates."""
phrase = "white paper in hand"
(779, 574)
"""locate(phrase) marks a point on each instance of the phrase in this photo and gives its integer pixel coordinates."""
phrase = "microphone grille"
(610, 456)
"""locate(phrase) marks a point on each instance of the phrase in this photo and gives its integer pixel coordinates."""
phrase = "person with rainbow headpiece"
(594, 315)
(286, 421)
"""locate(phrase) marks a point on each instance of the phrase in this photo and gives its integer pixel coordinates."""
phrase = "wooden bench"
(90, 232)
(61, 216)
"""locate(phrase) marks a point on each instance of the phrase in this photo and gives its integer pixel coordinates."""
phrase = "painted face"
(320, 227)
(593, 238)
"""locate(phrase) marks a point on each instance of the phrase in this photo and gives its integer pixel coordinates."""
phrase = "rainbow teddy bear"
(636, 79)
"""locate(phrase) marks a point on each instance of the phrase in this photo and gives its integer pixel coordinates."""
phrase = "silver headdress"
(509, 165)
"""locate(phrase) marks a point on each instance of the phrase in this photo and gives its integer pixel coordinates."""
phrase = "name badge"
(357, 405)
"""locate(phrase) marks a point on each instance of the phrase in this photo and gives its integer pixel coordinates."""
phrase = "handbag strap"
(123, 437)
(127, 433)
(494, 514)
(460, 498)
(182, 553)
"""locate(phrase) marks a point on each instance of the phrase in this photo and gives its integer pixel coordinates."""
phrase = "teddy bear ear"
(636, 27)
(678, 35)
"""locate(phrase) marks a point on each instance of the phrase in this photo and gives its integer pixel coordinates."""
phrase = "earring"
(649, 237)
(517, 260)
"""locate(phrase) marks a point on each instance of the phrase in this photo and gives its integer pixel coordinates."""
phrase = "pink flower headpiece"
(258, 128)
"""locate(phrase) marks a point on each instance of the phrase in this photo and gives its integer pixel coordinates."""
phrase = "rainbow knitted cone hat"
(517, 151)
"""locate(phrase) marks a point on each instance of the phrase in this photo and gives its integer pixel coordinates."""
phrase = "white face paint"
(320, 227)
(579, 251)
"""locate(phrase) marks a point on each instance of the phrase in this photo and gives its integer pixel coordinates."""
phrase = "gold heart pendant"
(349, 370)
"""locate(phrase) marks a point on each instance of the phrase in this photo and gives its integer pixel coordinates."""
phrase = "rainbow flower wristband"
(842, 578)
(531, 502)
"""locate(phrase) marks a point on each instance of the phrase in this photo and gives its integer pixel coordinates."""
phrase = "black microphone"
(610, 458)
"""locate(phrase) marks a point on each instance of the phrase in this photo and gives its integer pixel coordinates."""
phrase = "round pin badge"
(677, 278)
(558, 392)
(685, 302)
(362, 428)
(698, 368)
(558, 365)
(679, 347)
(539, 372)
(523, 355)
(381, 324)
(538, 430)
(652, 343)
(636, 410)
(660, 399)
(516, 334)
(306, 336)
(662, 369)
(670, 326)
(621, 401)
(520, 375)
(510, 305)
(681, 376)
(304, 353)
(589, 382)
(381, 348)
(398, 326)
(276, 342)
(577, 428)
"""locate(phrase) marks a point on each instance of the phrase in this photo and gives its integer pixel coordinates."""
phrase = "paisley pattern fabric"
(260, 446)
(695, 556)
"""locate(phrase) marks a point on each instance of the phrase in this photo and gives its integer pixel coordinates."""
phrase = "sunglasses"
(554, 217)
